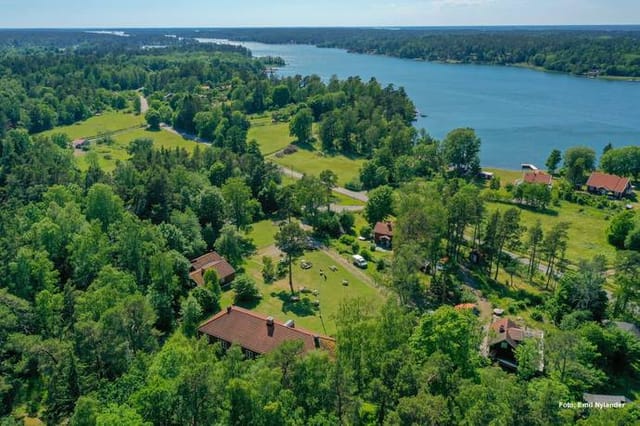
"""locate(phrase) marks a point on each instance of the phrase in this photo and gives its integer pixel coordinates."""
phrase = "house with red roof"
(603, 183)
(226, 273)
(538, 177)
(504, 337)
(258, 334)
(383, 234)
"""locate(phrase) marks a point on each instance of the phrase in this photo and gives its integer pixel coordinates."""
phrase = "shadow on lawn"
(334, 153)
(302, 308)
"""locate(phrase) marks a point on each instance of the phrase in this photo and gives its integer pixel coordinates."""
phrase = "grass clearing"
(271, 137)
(107, 122)
(331, 292)
(313, 162)
(587, 227)
(109, 154)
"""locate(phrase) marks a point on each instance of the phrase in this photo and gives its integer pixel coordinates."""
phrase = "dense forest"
(593, 51)
(98, 316)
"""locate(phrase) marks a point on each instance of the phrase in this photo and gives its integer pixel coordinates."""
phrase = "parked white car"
(359, 261)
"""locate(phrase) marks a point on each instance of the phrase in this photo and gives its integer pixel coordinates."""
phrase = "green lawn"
(506, 176)
(263, 233)
(314, 162)
(271, 137)
(587, 229)
(275, 297)
(343, 200)
(109, 154)
(105, 123)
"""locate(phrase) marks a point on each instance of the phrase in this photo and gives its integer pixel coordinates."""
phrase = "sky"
(265, 13)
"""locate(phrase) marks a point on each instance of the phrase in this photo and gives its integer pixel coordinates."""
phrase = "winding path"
(360, 196)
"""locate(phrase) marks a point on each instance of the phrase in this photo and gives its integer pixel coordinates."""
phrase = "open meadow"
(331, 291)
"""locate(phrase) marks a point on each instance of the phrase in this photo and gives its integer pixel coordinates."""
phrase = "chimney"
(290, 324)
(501, 328)
(389, 226)
(228, 309)
(316, 341)
(269, 321)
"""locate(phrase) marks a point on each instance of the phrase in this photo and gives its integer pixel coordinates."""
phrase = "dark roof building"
(257, 334)
(538, 177)
(608, 184)
(504, 337)
(224, 270)
(605, 401)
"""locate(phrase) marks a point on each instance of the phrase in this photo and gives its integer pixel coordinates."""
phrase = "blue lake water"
(520, 114)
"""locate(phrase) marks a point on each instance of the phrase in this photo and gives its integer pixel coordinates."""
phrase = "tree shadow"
(302, 308)
(248, 304)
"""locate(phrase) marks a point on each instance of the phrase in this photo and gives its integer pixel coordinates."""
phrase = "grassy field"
(271, 137)
(108, 154)
(314, 162)
(106, 123)
(331, 292)
(587, 227)
(124, 129)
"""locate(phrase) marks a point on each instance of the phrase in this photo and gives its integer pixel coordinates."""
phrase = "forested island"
(153, 187)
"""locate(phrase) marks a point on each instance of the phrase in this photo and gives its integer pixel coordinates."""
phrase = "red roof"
(384, 228)
(506, 330)
(465, 306)
(258, 333)
(612, 183)
(538, 177)
(208, 261)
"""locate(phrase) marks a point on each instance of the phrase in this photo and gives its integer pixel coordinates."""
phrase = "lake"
(520, 114)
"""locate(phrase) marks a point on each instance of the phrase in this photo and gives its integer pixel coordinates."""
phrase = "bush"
(347, 220)
(347, 240)
(381, 265)
(283, 269)
(365, 231)
(355, 247)
(209, 301)
(354, 185)
(290, 149)
(245, 289)
(366, 254)
(537, 315)
(467, 296)
(268, 270)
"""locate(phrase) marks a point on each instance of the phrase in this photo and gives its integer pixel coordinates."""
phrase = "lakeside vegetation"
(99, 317)
(611, 52)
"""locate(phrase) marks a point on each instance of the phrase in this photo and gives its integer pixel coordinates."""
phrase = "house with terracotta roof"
(538, 177)
(383, 233)
(505, 336)
(603, 183)
(226, 273)
(258, 334)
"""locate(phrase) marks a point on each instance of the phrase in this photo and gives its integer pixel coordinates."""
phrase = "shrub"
(365, 231)
(347, 239)
(355, 247)
(290, 149)
(208, 301)
(381, 265)
(245, 289)
(268, 270)
(537, 315)
(354, 185)
(283, 269)
(347, 220)
(366, 254)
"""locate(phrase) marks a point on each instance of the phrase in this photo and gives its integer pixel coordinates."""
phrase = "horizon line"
(320, 27)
